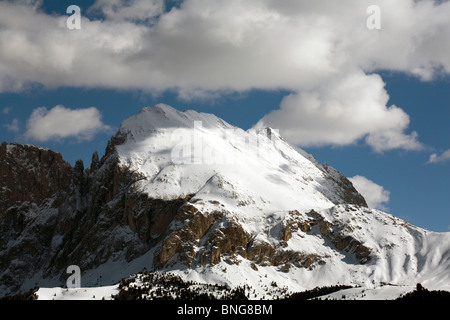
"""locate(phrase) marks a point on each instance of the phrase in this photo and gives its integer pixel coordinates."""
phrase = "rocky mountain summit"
(188, 193)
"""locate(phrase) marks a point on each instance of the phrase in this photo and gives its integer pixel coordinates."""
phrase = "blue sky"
(371, 103)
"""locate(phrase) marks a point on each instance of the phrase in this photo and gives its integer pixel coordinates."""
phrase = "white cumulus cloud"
(341, 112)
(61, 122)
(376, 196)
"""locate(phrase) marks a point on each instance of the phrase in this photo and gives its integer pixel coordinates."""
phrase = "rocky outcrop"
(294, 222)
(229, 240)
(198, 238)
(342, 238)
(31, 174)
(192, 226)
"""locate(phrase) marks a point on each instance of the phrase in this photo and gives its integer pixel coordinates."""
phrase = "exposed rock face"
(34, 183)
(198, 239)
(181, 242)
(341, 236)
(53, 215)
(31, 174)
(293, 223)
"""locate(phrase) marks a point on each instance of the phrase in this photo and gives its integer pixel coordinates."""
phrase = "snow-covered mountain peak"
(163, 117)
(179, 152)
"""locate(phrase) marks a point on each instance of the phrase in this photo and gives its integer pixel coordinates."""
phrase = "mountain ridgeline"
(190, 193)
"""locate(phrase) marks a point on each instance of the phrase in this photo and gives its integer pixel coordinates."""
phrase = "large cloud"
(61, 122)
(342, 111)
(209, 47)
